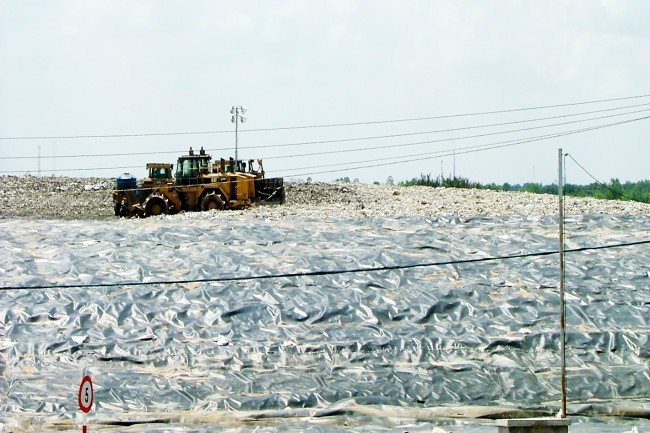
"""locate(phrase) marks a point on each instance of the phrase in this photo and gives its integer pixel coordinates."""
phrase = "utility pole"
(39, 160)
(534, 177)
(454, 159)
(54, 156)
(560, 191)
(454, 163)
(237, 117)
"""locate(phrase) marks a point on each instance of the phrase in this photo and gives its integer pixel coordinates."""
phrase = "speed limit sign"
(86, 395)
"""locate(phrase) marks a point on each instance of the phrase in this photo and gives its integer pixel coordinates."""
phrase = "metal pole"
(454, 171)
(236, 132)
(560, 190)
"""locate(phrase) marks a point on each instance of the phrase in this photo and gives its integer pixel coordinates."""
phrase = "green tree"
(639, 191)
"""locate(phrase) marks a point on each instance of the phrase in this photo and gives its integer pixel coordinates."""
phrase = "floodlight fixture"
(237, 117)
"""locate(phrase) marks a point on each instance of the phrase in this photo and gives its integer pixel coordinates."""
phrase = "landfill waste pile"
(55, 197)
(394, 350)
(90, 198)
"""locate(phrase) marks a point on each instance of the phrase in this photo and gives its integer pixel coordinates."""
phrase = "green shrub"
(614, 190)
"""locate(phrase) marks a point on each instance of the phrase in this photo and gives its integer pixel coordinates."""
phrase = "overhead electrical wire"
(472, 150)
(439, 153)
(607, 187)
(433, 155)
(354, 139)
(143, 134)
(331, 125)
(349, 139)
(99, 155)
(441, 140)
(450, 116)
(436, 154)
(61, 170)
(322, 273)
(457, 150)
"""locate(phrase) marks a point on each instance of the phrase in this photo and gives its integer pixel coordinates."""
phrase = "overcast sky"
(127, 67)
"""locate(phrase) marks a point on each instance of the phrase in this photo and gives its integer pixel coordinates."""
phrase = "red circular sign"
(86, 395)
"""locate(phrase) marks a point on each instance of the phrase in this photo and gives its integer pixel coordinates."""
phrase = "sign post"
(86, 398)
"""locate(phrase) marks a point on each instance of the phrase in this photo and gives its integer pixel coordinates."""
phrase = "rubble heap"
(91, 198)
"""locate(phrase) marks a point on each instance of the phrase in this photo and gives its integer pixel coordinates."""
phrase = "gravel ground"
(90, 198)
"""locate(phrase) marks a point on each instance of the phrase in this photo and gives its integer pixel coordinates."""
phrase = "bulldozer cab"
(224, 166)
(159, 171)
(191, 168)
(158, 174)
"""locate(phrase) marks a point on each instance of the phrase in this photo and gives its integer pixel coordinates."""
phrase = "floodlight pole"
(560, 190)
(236, 134)
(237, 112)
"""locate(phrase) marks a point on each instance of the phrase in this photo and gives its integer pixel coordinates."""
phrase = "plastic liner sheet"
(467, 334)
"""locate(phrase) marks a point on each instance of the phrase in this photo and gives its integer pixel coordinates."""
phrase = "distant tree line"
(613, 190)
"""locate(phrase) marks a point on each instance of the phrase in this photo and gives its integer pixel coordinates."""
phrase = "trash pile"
(55, 197)
(90, 198)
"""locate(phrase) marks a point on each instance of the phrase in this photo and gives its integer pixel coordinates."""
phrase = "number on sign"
(85, 397)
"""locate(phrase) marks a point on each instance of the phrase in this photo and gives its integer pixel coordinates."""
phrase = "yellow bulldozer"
(198, 185)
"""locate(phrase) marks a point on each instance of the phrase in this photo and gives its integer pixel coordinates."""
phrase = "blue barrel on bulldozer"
(126, 181)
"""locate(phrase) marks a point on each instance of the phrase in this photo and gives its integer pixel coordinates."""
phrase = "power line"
(324, 273)
(426, 155)
(448, 152)
(618, 193)
(304, 143)
(143, 134)
(495, 145)
(93, 155)
(331, 125)
(474, 149)
(433, 155)
(437, 154)
(58, 170)
(449, 116)
(441, 140)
